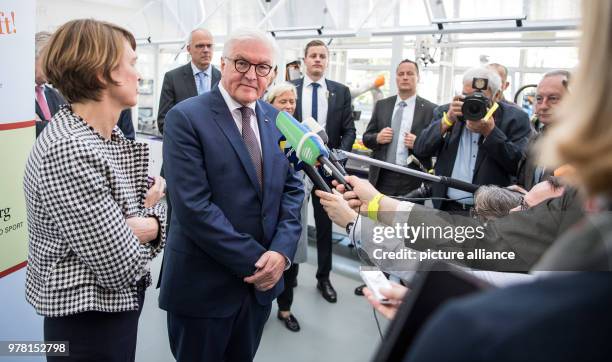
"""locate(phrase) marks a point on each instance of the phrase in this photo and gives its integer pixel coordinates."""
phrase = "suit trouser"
(96, 336)
(323, 225)
(228, 339)
(285, 299)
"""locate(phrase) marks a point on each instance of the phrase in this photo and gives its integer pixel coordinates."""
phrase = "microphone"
(298, 165)
(314, 126)
(448, 181)
(308, 146)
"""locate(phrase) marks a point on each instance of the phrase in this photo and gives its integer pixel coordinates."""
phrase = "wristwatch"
(349, 226)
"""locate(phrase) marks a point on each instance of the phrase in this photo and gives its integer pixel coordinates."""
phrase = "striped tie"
(251, 143)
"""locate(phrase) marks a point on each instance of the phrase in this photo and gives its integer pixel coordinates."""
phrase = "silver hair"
(487, 73)
(253, 35)
(206, 31)
(493, 202)
(40, 41)
(278, 89)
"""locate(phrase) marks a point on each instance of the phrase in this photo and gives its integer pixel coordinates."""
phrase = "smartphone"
(375, 279)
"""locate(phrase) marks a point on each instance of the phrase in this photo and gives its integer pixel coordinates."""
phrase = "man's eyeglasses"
(553, 99)
(243, 66)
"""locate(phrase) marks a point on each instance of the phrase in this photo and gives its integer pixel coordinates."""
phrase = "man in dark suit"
(47, 100)
(396, 123)
(236, 210)
(551, 90)
(483, 152)
(192, 79)
(329, 103)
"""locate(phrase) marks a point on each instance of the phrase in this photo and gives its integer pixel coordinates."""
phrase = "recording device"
(475, 105)
(298, 165)
(308, 146)
(375, 280)
(436, 285)
(314, 126)
(448, 181)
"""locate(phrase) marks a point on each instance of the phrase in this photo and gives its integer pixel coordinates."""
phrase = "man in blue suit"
(236, 215)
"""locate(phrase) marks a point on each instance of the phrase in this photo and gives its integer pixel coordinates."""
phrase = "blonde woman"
(283, 96)
(94, 224)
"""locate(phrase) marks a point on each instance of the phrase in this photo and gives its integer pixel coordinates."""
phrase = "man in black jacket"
(192, 79)
(329, 103)
(482, 152)
(396, 123)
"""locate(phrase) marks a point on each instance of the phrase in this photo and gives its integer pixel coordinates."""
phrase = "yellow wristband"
(373, 207)
(491, 111)
(447, 121)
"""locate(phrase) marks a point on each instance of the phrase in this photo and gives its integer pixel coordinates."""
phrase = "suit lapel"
(189, 80)
(331, 101)
(298, 105)
(226, 123)
(418, 117)
(481, 154)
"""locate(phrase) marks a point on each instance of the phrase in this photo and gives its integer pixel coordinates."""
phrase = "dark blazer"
(563, 318)
(528, 164)
(498, 154)
(340, 126)
(222, 221)
(54, 101)
(179, 84)
(125, 124)
(381, 118)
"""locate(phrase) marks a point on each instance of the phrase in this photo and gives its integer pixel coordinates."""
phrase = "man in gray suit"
(192, 79)
(395, 124)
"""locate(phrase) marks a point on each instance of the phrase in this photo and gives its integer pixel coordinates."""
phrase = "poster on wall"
(17, 24)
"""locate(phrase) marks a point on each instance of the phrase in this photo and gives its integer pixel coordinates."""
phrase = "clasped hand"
(270, 268)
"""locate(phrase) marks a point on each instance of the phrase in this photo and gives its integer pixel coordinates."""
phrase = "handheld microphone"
(298, 165)
(315, 127)
(308, 146)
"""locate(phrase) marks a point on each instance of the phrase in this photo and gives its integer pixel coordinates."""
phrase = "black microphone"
(315, 127)
(298, 165)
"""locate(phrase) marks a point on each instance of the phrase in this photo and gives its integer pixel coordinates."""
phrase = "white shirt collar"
(409, 100)
(197, 70)
(231, 102)
(308, 81)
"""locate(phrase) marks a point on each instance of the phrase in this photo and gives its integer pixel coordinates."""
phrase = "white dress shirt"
(401, 153)
(322, 95)
(234, 108)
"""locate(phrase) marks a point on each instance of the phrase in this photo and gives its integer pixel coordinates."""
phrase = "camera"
(475, 105)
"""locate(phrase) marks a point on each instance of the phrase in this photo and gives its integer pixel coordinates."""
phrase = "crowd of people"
(235, 228)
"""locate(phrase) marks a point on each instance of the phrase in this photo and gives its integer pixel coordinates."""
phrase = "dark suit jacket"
(559, 319)
(498, 154)
(222, 221)
(340, 126)
(125, 124)
(381, 118)
(528, 164)
(54, 101)
(179, 84)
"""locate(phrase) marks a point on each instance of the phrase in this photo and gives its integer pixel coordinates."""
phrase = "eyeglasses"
(523, 204)
(243, 66)
(553, 99)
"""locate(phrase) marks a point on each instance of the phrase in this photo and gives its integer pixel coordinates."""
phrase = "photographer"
(470, 148)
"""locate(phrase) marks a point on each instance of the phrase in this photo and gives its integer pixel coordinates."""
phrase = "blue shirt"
(465, 163)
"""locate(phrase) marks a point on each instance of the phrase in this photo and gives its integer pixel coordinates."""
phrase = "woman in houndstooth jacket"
(94, 224)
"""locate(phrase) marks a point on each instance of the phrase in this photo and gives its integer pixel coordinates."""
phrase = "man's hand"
(270, 268)
(156, 192)
(483, 127)
(395, 295)
(336, 208)
(384, 136)
(144, 228)
(454, 110)
(409, 139)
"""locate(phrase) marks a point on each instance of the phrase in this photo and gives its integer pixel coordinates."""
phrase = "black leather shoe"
(359, 289)
(290, 322)
(327, 291)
